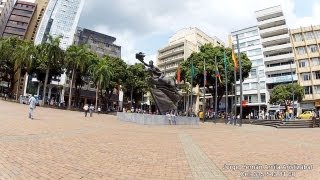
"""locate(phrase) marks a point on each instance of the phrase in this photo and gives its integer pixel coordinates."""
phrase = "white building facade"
(181, 46)
(6, 7)
(254, 87)
(277, 48)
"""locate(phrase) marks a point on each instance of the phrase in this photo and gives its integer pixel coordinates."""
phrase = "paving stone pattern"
(62, 144)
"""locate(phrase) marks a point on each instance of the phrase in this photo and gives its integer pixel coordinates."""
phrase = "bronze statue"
(163, 90)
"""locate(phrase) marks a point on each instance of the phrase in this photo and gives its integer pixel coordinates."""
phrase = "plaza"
(61, 144)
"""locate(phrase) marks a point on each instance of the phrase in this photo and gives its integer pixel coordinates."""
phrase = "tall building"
(306, 41)
(35, 21)
(60, 19)
(19, 20)
(5, 10)
(181, 46)
(254, 87)
(277, 48)
(100, 43)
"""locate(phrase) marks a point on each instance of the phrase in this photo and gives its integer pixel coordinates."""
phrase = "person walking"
(91, 109)
(32, 106)
(86, 109)
(99, 110)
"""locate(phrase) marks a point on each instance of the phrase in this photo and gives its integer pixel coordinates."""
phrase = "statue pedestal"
(150, 119)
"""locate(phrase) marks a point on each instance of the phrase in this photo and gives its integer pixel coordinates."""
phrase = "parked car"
(306, 115)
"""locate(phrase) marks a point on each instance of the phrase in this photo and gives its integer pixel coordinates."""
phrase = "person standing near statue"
(32, 106)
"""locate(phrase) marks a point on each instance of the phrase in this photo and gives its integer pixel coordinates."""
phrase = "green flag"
(192, 71)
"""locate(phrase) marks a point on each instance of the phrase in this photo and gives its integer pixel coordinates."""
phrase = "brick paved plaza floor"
(65, 145)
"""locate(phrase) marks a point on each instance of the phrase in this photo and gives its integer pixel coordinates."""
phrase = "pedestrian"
(168, 115)
(86, 109)
(173, 117)
(99, 110)
(91, 109)
(32, 106)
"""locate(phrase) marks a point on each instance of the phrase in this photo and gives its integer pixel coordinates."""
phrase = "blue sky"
(146, 25)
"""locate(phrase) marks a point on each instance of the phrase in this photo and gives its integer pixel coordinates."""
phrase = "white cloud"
(131, 21)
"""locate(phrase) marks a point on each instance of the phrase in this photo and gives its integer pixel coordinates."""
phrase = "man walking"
(32, 105)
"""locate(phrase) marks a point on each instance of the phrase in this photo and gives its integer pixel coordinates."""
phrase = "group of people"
(90, 109)
(172, 117)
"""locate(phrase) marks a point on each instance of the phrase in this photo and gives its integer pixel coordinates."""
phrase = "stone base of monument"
(149, 119)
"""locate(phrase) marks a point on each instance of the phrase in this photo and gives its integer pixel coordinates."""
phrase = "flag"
(225, 61)
(218, 73)
(234, 57)
(192, 71)
(179, 74)
(205, 77)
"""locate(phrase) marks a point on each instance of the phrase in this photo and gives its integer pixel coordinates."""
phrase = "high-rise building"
(306, 41)
(100, 43)
(254, 87)
(5, 10)
(19, 20)
(35, 21)
(60, 19)
(277, 49)
(181, 46)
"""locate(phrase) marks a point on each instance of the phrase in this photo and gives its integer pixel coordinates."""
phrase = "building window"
(312, 48)
(309, 35)
(308, 90)
(305, 76)
(253, 73)
(262, 85)
(316, 74)
(297, 37)
(301, 50)
(252, 43)
(263, 98)
(315, 61)
(254, 85)
(254, 52)
(317, 33)
(303, 63)
(246, 86)
(317, 89)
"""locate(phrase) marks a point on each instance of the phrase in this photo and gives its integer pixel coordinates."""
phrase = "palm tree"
(23, 59)
(77, 60)
(51, 56)
(101, 74)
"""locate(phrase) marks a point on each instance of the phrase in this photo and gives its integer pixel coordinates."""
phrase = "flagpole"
(192, 84)
(216, 90)
(226, 79)
(240, 73)
(235, 95)
(204, 89)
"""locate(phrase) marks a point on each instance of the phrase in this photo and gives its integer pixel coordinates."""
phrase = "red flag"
(179, 75)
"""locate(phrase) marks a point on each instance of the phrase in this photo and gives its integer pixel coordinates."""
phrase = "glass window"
(252, 43)
(317, 33)
(308, 90)
(261, 73)
(254, 52)
(315, 61)
(263, 98)
(254, 85)
(305, 76)
(312, 48)
(262, 85)
(301, 50)
(303, 63)
(297, 37)
(316, 74)
(245, 86)
(253, 73)
(309, 35)
(317, 89)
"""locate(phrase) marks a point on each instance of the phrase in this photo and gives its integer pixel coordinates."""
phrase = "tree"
(117, 78)
(101, 74)
(77, 59)
(282, 94)
(24, 56)
(209, 53)
(136, 82)
(51, 56)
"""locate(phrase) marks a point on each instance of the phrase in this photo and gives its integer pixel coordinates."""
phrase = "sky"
(146, 25)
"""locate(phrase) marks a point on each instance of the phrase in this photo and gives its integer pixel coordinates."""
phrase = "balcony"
(265, 33)
(277, 21)
(276, 39)
(278, 48)
(172, 60)
(265, 13)
(171, 53)
(281, 79)
(280, 68)
(286, 57)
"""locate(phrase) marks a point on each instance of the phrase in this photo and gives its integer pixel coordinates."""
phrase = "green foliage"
(283, 92)
(209, 53)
